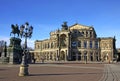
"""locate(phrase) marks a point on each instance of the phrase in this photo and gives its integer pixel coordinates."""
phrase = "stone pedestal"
(14, 51)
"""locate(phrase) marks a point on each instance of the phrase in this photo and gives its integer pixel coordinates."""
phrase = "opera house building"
(75, 43)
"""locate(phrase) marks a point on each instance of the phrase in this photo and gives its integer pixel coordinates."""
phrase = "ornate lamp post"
(25, 31)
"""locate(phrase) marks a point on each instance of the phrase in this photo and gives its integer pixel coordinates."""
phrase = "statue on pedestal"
(14, 50)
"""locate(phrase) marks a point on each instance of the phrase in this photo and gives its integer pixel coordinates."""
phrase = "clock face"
(74, 44)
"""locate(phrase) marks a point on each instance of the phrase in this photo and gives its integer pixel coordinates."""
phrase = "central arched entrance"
(63, 40)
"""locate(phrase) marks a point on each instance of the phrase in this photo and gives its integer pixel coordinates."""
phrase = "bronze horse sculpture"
(21, 32)
(15, 30)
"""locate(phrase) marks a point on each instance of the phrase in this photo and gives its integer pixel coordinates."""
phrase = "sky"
(48, 15)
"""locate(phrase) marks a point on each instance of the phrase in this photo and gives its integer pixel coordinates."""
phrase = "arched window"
(51, 56)
(47, 56)
(90, 33)
(52, 45)
(48, 45)
(37, 46)
(79, 43)
(63, 40)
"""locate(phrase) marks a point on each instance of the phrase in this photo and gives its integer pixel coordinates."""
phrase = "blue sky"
(48, 15)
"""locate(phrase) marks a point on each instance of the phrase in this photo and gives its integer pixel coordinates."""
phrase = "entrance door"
(85, 56)
(62, 55)
(73, 56)
(79, 56)
(91, 57)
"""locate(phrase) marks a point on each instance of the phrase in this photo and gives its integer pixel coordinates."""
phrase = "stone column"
(88, 56)
(94, 57)
(88, 44)
(93, 44)
(76, 56)
(82, 56)
(82, 43)
(66, 55)
(92, 34)
(56, 55)
(69, 47)
(49, 55)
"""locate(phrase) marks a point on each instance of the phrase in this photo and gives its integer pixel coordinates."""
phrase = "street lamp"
(26, 32)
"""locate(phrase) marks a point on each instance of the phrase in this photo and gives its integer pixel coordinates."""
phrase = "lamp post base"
(23, 70)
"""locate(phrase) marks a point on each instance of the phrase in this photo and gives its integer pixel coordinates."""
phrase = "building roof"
(79, 26)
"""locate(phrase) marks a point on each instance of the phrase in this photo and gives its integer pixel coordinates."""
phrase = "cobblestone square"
(54, 72)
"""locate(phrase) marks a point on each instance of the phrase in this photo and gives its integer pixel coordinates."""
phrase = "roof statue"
(64, 26)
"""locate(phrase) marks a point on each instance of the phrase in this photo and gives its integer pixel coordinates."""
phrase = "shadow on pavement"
(3, 69)
(60, 74)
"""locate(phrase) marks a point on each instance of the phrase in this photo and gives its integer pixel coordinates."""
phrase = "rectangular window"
(96, 44)
(85, 44)
(90, 44)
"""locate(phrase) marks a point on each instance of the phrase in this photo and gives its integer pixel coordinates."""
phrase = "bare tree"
(2, 44)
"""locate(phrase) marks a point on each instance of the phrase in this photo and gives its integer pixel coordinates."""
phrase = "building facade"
(75, 43)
